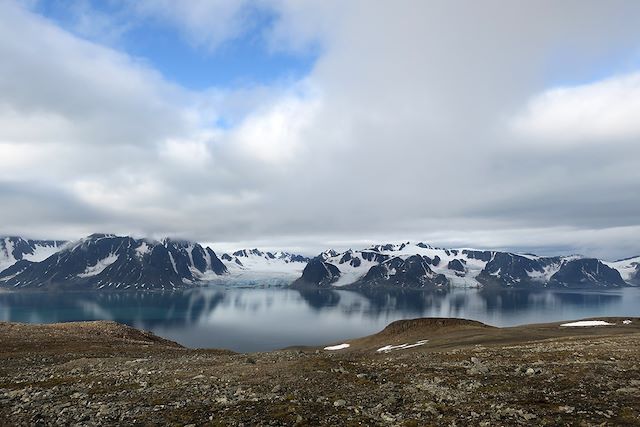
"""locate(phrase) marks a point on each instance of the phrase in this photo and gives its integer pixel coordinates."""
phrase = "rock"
(455, 265)
(387, 417)
(478, 370)
(317, 274)
(390, 401)
(628, 390)
(276, 389)
(340, 402)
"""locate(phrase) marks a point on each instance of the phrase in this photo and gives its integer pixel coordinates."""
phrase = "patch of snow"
(143, 249)
(626, 322)
(588, 323)
(8, 244)
(548, 271)
(173, 262)
(337, 347)
(189, 250)
(6, 254)
(348, 273)
(388, 348)
(94, 270)
(41, 252)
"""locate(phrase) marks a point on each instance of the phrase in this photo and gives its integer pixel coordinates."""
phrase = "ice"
(258, 266)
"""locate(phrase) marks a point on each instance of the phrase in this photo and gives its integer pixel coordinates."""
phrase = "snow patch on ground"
(626, 322)
(94, 270)
(588, 323)
(337, 347)
(388, 348)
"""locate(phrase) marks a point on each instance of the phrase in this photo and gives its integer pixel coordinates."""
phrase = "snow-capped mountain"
(112, 262)
(423, 266)
(13, 249)
(252, 264)
(629, 269)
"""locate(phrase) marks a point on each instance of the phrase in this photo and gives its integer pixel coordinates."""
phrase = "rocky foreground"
(431, 372)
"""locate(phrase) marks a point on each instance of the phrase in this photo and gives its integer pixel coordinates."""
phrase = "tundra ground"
(433, 372)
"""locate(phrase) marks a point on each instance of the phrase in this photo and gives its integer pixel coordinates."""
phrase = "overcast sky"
(313, 124)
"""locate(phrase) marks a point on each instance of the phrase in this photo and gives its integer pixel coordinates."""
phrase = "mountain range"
(103, 261)
(421, 266)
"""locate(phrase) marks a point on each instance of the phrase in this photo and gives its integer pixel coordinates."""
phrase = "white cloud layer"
(398, 132)
(604, 111)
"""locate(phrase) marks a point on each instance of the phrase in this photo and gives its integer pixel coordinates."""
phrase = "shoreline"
(545, 330)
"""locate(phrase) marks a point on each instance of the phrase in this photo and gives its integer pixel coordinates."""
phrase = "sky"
(304, 125)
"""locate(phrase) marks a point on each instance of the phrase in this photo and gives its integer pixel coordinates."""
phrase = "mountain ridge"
(102, 261)
(384, 266)
(108, 261)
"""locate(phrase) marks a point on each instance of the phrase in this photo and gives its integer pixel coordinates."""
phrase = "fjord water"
(251, 319)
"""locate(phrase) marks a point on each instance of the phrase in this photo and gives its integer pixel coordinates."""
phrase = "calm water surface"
(270, 318)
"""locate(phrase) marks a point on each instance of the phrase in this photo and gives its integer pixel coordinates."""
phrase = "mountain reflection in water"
(246, 319)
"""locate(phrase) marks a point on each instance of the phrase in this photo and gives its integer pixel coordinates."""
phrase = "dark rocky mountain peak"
(317, 274)
(586, 272)
(103, 261)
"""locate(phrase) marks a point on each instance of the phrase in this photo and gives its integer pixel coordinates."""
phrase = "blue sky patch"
(245, 60)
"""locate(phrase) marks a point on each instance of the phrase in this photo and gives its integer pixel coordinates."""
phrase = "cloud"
(276, 135)
(56, 87)
(189, 153)
(602, 111)
(398, 131)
